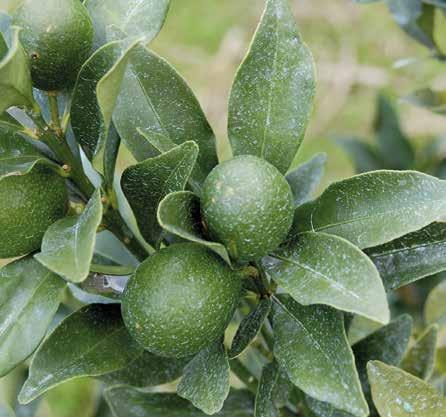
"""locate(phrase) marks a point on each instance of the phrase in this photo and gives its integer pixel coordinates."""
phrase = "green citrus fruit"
(247, 205)
(58, 37)
(29, 204)
(180, 300)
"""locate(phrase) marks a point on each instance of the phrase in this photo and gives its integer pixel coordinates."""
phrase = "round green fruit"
(29, 204)
(58, 37)
(247, 205)
(180, 300)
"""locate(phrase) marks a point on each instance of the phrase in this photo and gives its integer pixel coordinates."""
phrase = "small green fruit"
(247, 205)
(58, 37)
(29, 204)
(180, 300)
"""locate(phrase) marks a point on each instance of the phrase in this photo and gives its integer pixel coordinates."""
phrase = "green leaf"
(435, 307)
(364, 156)
(434, 101)
(321, 409)
(19, 157)
(264, 404)
(6, 411)
(395, 148)
(179, 214)
(373, 208)
(155, 100)
(29, 298)
(68, 244)
(411, 257)
(147, 371)
(112, 251)
(15, 75)
(94, 99)
(120, 18)
(399, 394)
(388, 345)
(90, 342)
(206, 379)
(249, 328)
(148, 182)
(312, 348)
(344, 278)
(306, 177)
(143, 404)
(420, 360)
(272, 97)
(360, 327)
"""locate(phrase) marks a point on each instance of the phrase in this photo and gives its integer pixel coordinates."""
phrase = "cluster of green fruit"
(183, 297)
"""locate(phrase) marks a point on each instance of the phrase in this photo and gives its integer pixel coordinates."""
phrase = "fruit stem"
(244, 375)
(54, 109)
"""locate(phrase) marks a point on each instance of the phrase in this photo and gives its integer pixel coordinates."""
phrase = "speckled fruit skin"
(180, 300)
(247, 205)
(29, 204)
(58, 37)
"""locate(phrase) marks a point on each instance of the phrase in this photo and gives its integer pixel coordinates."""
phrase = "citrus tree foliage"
(141, 270)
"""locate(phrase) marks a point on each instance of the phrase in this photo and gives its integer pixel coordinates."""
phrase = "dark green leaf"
(306, 177)
(120, 18)
(435, 307)
(206, 379)
(364, 156)
(148, 182)
(264, 404)
(250, 327)
(429, 99)
(155, 99)
(179, 214)
(68, 244)
(272, 96)
(29, 298)
(143, 404)
(343, 278)
(395, 148)
(388, 345)
(312, 348)
(147, 371)
(321, 409)
(399, 394)
(420, 360)
(90, 342)
(15, 75)
(373, 208)
(411, 257)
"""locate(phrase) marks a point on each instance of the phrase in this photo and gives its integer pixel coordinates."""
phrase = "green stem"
(54, 109)
(117, 270)
(244, 375)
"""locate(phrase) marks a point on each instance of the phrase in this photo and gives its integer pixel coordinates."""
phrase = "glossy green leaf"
(112, 251)
(15, 75)
(264, 404)
(250, 327)
(434, 101)
(435, 307)
(9, 123)
(420, 360)
(395, 149)
(90, 342)
(147, 371)
(272, 97)
(399, 394)
(148, 182)
(388, 345)
(344, 278)
(364, 156)
(114, 19)
(155, 100)
(373, 208)
(29, 298)
(17, 156)
(312, 348)
(179, 214)
(68, 244)
(306, 177)
(143, 404)
(411, 257)
(94, 99)
(206, 379)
